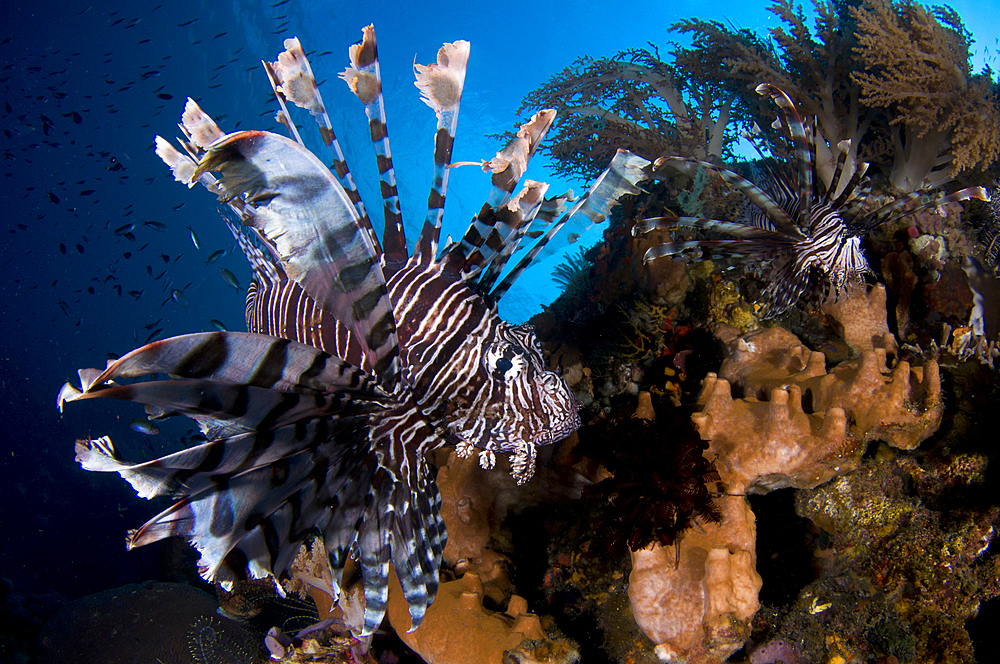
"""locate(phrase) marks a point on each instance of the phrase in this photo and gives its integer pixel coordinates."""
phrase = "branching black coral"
(659, 484)
(635, 101)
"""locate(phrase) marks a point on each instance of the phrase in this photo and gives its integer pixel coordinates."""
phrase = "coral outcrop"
(458, 629)
(893, 402)
(695, 601)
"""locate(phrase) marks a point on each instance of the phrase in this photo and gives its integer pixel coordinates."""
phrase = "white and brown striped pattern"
(360, 358)
(808, 235)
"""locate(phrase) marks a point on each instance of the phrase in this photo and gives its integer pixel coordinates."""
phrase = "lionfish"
(359, 358)
(806, 232)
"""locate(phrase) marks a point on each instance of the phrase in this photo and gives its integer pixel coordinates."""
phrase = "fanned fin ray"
(292, 78)
(296, 204)
(440, 86)
(365, 81)
(621, 177)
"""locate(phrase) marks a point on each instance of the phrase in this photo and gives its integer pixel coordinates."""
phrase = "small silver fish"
(144, 426)
(230, 278)
(156, 226)
(217, 324)
(194, 238)
(178, 297)
(215, 255)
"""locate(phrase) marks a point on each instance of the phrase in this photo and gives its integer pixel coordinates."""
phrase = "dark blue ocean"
(99, 255)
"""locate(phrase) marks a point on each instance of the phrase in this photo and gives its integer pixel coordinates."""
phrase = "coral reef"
(901, 569)
(695, 601)
(458, 629)
(896, 403)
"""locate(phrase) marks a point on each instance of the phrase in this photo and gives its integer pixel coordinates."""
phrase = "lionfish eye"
(503, 360)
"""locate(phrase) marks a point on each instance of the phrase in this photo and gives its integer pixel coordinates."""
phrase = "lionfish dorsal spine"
(507, 168)
(527, 203)
(441, 84)
(365, 81)
(620, 178)
(800, 143)
(282, 116)
(292, 78)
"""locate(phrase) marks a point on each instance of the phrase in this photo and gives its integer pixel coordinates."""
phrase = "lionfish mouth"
(558, 431)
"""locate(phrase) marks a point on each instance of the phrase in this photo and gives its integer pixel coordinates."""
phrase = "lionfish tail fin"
(365, 81)
(440, 86)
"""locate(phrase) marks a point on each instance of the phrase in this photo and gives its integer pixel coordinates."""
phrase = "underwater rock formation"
(457, 629)
(695, 601)
(893, 402)
(901, 566)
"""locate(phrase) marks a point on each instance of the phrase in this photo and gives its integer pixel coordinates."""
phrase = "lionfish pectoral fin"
(316, 231)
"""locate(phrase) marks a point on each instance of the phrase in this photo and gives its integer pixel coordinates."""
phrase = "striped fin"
(508, 166)
(550, 210)
(621, 177)
(800, 142)
(365, 81)
(238, 358)
(530, 201)
(729, 247)
(440, 86)
(851, 190)
(474, 251)
(292, 78)
(300, 208)
(510, 163)
(893, 210)
(199, 128)
(777, 216)
(744, 231)
(260, 262)
(401, 522)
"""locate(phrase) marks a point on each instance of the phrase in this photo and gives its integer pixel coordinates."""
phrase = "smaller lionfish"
(359, 358)
(806, 232)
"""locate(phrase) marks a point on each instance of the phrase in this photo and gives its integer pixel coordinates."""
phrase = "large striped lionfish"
(359, 358)
(805, 230)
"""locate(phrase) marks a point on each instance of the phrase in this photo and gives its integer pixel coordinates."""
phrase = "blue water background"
(63, 528)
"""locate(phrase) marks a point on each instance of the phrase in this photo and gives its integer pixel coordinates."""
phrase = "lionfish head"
(520, 405)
